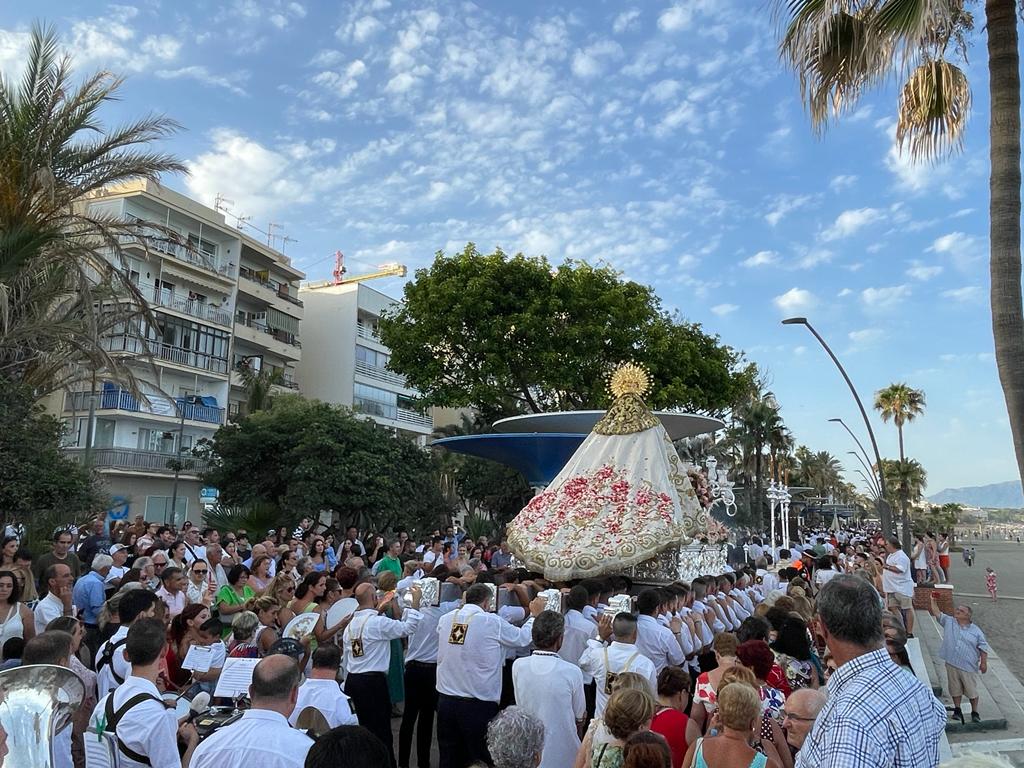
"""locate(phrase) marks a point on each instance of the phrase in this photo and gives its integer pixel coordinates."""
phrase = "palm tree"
(259, 386)
(756, 421)
(840, 48)
(63, 282)
(908, 476)
(900, 404)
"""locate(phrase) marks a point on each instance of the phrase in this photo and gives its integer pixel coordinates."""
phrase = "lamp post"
(883, 506)
(181, 402)
(872, 481)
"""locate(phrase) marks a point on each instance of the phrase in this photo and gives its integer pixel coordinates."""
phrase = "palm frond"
(934, 106)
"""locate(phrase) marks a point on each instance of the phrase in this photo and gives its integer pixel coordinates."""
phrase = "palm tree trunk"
(908, 538)
(1004, 211)
(757, 506)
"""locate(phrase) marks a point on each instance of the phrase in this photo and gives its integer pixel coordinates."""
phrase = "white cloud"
(850, 222)
(111, 42)
(625, 21)
(866, 335)
(13, 47)
(590, 61)
(886, 297)
(362, 29)
(844, 293)
(676, 18)
(964, 250)
(724, 309)
(783, 205)
(965, 295)
(343, 83)
(400, 83)
(662, 91)
(162, 47)
(813, 258)
(795, 300)
(841, 182)
(918, 270)
(231, 82)
(258, 179)
(685, 115)
(761, 259)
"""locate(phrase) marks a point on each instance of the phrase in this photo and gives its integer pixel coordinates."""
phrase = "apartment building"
(346, 364)
(220, 299)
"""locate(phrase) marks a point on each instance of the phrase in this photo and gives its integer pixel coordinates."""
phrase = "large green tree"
(514, 334)
(303, 456)
(841, 48)
(39, 485)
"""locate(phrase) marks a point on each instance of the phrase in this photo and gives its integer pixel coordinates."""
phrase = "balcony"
(191, 307)
(284, 337)
(278, 288)
(364, 331)
(157, 241)
(381, 374)
(121, 400)
(166, 352)
(415, 418)
(132, 460)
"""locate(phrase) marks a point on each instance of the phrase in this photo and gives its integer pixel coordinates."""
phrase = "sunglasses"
(200, 573)
(159, 565)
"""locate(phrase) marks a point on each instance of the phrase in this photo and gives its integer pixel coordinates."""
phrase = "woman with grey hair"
(515, 739)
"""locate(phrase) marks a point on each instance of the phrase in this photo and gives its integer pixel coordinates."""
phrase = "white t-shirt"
(551, 689)
(326, 696)
(898, 583)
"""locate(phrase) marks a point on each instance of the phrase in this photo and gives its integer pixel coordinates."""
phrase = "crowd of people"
(507, 669)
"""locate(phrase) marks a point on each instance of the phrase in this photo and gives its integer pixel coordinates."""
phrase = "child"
(991, 577)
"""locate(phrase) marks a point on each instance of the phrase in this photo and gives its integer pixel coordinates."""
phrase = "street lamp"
(873, 481)
(883, 510)
(181, 402)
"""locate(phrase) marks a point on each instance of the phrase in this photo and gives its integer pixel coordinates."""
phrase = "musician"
(146, 731)
(262, 737)
(367, 644)
(112, 668)
(470, 661)
(321, 690)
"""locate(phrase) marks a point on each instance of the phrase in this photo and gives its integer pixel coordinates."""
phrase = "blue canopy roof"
(538, 456)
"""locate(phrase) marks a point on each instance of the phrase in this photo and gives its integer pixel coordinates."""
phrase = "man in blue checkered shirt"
(877, 715)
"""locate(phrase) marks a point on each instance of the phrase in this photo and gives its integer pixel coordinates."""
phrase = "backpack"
(107, 658)
(103, 749)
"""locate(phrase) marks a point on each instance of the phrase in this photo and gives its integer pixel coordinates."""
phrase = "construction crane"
(391, 269)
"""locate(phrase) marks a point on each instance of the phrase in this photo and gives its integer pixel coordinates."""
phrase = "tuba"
(38, 702)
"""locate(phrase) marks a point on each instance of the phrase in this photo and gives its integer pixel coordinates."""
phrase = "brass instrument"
(38, 703)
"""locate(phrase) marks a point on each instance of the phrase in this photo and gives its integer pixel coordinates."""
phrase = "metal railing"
(166, 352)
(159, 242)
(141, 461)
(364, 331)
(166, 298)
(415, 417)
(270, 285)
(122, 400)
(381, 374)
(241, 318)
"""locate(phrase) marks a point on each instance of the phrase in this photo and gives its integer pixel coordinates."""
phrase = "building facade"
(220, 299)
(346, 364)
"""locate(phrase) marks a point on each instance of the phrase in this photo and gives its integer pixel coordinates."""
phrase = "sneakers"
(975, 717)
(957, 714)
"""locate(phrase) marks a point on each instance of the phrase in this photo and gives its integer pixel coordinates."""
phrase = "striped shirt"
(962, 646)
(877, 715)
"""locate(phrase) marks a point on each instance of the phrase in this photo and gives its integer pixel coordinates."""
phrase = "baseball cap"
(117, 548)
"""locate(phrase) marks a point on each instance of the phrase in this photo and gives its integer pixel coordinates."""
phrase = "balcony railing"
(271, 285)
(283, 336)
(162, 351)
(159, 242)
(141, 461)
(286, 379)
(416, 418)
(364, 331)
(380, 374)
(120, 400)
(165, 298)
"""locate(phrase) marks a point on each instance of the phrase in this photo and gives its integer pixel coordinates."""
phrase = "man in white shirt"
(214, 556)
(658, 643)
(421, 685)
(172, 590)
(194, 550)
(53, 647)
(262, 737)
(200, 588)
(322, 692)
(367, 643)
(119, 554)
(605, 660)
(898, 582)
(470, 660)
(58, 597)
(112, 666)
(551, 689)
(144, 728)
(434, 556)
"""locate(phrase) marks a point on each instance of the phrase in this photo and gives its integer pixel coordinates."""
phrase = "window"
(374, 401)
(158, 508)
(103, 436)
(372, 357)
(191, 336)
(203, 246)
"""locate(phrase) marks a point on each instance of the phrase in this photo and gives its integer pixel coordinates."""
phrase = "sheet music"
(198, 658)
(235, 678)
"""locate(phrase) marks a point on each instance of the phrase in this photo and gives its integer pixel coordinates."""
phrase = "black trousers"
(590, 695)
(462, 730)
(508, 690)
(420, 706)
(369, 694)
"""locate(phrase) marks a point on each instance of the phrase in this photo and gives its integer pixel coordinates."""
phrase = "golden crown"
(629, 379)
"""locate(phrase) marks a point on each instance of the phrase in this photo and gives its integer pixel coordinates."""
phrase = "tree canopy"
(508, 334)
(304, 456)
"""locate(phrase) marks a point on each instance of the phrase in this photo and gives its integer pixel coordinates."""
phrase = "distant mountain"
(997, 496)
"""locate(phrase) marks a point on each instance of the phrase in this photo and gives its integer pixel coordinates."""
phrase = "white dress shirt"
(590, 613)
(105, 680)
(707, 633)
(551, 689)
(578, 630)
(423, 643)
(622, 657)
(473, 669)
(658, 643)
(148, 728)
(46, 610)
(196, 592)
(685, 637)
(261, 738)
(326, 696)
(376, 632)
(200, 553)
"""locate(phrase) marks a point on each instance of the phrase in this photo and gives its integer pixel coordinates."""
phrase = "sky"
(663, 138)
